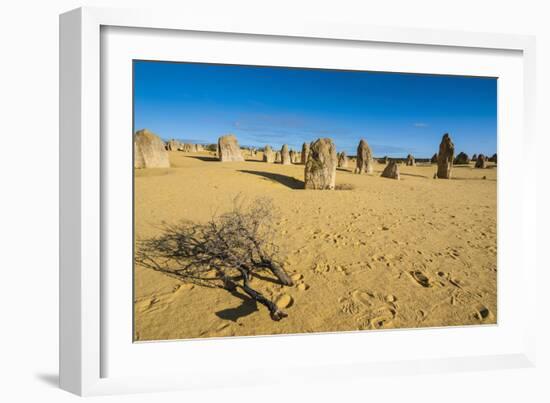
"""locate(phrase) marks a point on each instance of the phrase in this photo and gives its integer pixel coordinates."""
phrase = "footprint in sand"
(161, 301)
(420, 278)
(347, 305)
(373, 311)
(383, 317)
(364, 297)
(146, 304)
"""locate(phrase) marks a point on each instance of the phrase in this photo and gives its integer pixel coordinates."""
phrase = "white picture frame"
(84, 297)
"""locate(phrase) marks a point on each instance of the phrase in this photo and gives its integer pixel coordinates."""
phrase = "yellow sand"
(354, 252)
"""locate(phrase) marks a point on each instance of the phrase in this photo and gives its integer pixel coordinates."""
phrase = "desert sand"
(379, 254)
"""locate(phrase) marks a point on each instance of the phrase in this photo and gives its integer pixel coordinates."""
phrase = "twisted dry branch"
(233, 246)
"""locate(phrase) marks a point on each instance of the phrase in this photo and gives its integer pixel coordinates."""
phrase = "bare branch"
(229, 247)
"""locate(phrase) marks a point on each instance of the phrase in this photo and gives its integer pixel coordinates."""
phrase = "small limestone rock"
(461, 159)
(228, 149)
(296, 277)
(410, 161)
(445, 157)
(342, 160)
(285, 155)
(292, 156)
(391, 171)
(173, 145)
(364, 158)
(269, 155)
(320, 169)
(481, 161)
(305, 153)
(149, 151)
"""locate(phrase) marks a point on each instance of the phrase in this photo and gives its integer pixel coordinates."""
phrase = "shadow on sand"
(203, 158)
(415, 175)
(288, 181)
(248, 306)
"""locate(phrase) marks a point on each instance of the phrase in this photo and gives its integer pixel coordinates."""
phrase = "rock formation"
(228, 149)
(461, 159)
(364, 158)
(391, 170)
(493, 158)
(173, 145)
(269, 155)
(149, 151)
(278, 156)
(481, 161)
(434, 159)
(445, 157)
(188, 147)
(285, 155)
(320, 169)
(292, 155)
(305, 152)
(410, 161)
(474, 157)
(342, 160)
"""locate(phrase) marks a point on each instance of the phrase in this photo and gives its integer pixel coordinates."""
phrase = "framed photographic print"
(245, 189)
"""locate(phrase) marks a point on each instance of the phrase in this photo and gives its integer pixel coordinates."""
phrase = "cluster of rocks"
(410, 161)
(461, 159)
(285, 155)
(481, 161)
(342, 160)
(319, 157)
(176, 145)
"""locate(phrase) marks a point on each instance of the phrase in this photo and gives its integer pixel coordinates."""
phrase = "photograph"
(273, 200)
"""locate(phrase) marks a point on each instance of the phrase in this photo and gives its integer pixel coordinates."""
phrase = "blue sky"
(396, 113)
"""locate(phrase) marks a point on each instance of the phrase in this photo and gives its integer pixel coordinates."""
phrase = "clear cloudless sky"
(396, 113)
